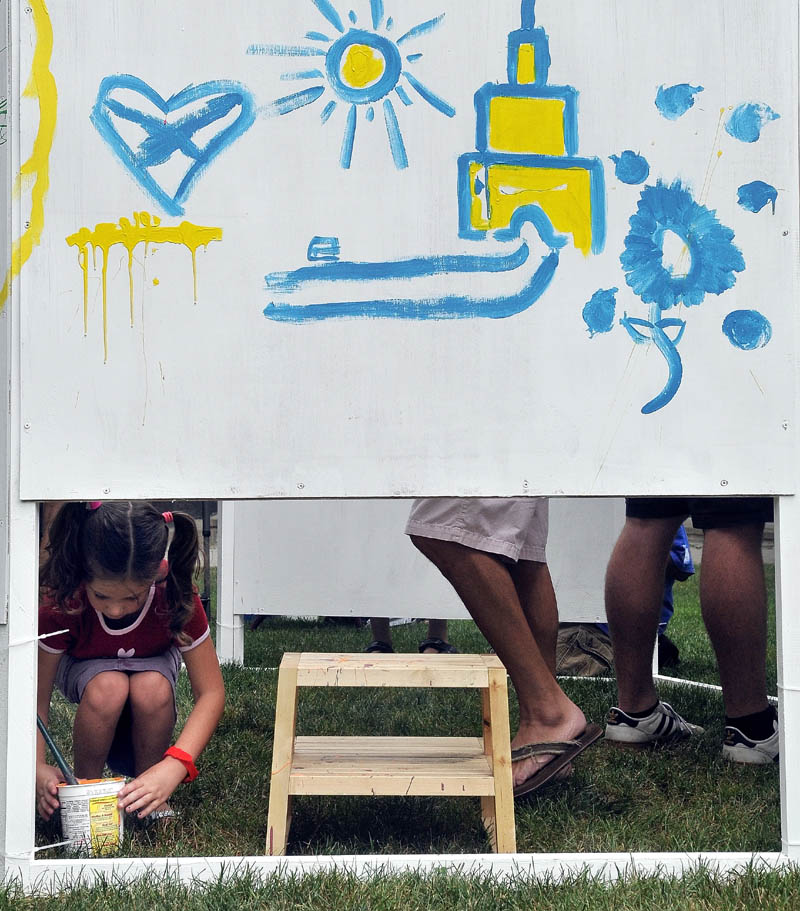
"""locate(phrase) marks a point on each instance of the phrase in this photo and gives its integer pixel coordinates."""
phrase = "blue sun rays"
(357, 43)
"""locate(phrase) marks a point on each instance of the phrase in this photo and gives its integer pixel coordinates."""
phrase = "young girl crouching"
(124, 617)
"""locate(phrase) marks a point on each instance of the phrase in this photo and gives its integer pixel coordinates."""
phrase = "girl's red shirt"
(84, 634)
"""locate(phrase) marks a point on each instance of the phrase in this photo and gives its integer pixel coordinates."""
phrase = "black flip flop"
(565, 751)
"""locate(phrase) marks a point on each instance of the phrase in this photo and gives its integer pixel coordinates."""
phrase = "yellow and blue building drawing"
(527, 142)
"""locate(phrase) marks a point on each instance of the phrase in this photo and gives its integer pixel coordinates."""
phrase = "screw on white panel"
(723, 483)
(300, 486)
(106, 490)
(27, 425)
(785, 233)
(785, 425)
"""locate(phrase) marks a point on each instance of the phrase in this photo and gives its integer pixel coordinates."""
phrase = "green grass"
(343, 891)
(685, 799)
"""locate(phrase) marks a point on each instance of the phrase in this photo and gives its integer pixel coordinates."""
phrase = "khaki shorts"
(512, 527)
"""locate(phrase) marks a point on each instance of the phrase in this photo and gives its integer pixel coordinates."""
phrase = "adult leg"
(734, 603)
(153, 717)
(484, 584)
(633, 592)
(380, 629)
(102, 702)
(538, 601)
(437, 629)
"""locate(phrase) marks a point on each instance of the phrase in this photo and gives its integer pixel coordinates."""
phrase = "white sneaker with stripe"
(662, 726)
(738, 748)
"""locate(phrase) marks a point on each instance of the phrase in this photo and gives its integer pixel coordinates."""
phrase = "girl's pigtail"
(64, 568)
(182, 557)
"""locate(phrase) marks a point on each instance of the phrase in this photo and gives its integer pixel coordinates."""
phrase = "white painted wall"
(210, 399)
(352, 558)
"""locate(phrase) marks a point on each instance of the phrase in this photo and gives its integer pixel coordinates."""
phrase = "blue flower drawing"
(713, 261)
(714, 257)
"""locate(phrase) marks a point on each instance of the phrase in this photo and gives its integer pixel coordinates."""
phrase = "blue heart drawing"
(164, 137)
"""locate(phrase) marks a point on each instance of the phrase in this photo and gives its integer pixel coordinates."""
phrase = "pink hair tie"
(167, 517)
(94, 504)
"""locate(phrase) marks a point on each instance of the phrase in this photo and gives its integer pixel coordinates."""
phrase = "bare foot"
(568, 727)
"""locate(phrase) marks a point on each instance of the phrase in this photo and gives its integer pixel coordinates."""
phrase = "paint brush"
(66, 771)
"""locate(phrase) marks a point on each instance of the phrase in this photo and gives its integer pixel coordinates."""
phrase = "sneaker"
(662, 726)
(738, 748)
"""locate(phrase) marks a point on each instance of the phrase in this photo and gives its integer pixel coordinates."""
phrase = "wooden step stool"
(401, 766)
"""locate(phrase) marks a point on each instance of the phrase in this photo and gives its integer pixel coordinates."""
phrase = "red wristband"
(183, 757)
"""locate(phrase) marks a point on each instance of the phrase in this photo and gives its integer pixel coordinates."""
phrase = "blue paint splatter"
(598, 313)
(754, 196)
(713, 256)
(675, 101)
(747, 329)
(746, 121)
(631, 168)
(163, 138)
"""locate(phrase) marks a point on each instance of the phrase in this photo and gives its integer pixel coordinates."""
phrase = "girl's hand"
(47, 780)
(152, 788)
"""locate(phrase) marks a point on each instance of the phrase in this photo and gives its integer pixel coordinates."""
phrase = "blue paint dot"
(747, 329)
(598, 313)
(370, 113)
(754, 196)
(746, 121)
(675, 101)
(631, 168)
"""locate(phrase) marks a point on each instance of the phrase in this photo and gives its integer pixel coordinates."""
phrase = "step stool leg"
(498, 811)
(279, 814)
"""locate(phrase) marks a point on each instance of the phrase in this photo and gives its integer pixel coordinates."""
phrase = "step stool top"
(400, 669)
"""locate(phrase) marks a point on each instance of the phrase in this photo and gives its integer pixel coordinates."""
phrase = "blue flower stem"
(673, 359)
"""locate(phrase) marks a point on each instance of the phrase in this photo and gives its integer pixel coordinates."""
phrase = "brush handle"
(66, 771)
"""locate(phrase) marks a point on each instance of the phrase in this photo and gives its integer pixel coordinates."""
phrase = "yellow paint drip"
(35, 172)
(362, 66)
(145, 228)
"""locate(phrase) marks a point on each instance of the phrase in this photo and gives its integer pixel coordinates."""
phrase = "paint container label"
(90, 818)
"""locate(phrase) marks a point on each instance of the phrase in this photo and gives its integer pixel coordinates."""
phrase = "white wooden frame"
(18, 655)
(17, 736)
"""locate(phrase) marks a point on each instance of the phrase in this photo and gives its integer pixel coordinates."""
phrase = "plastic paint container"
(90, 818)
